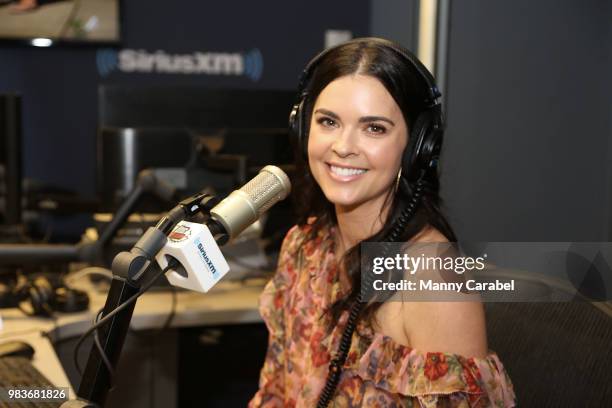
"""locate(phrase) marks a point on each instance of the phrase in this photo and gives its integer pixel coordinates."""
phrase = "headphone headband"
(424, 74)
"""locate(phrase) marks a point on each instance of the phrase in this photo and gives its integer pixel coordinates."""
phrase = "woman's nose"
(345, 144)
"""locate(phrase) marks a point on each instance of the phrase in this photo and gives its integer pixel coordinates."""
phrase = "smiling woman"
(367, 129)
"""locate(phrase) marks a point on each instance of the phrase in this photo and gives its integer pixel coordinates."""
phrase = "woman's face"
(356, 140)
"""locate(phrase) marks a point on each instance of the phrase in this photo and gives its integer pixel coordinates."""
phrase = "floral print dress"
(378, 372)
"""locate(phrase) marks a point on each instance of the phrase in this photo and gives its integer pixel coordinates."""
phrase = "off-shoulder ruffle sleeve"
(429, 378)
(271, 391)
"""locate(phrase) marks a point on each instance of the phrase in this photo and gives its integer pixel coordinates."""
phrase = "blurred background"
(95, 91)
(526, 87)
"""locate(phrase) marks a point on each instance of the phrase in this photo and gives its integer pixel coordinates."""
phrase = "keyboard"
(18, 372)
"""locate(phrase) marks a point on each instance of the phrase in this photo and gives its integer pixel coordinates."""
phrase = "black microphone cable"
(99, 323)
(105, 359)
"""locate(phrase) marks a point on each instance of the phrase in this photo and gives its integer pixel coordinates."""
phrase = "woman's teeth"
(343, 171)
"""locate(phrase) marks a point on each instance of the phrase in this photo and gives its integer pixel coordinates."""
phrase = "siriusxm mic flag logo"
(249, 64)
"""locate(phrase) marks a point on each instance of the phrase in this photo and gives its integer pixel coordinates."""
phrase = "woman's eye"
(372, 128)
(327, 122)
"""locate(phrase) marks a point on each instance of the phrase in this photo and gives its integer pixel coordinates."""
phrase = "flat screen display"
(48, 22)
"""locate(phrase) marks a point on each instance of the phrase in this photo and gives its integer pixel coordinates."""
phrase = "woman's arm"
(273, 300)
(456, 326)
(448, 327)
(271, 380)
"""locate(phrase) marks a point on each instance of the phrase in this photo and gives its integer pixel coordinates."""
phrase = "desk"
(227, 302)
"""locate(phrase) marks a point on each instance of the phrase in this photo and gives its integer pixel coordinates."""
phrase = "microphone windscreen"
(243, 207)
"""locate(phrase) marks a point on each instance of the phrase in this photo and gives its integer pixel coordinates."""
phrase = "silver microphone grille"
(270, 186)
(243, 207)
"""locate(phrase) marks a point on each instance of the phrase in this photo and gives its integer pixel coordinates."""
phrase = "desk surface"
(227, 302)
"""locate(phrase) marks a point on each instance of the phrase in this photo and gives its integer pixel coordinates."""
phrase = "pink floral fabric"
(378, 372)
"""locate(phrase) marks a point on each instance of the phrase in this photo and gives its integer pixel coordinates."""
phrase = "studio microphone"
(201, 263)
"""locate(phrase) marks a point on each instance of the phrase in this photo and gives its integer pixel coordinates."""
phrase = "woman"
(368, 132)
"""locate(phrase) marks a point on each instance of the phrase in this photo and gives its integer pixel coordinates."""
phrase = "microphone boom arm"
(129, 271)
(129, 268)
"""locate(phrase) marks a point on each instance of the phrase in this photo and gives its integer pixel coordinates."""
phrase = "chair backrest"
(557, 354)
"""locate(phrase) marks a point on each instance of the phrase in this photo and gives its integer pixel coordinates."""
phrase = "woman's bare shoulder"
(453, 327)
(449, 327)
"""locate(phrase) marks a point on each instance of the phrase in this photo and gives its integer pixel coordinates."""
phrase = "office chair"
(557, 354)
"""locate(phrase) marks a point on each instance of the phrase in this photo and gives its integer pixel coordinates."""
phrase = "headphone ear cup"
(297, 129)
(423, 148)
(40, 294)
(34, 300)
(431, 149)
(67, 300)
(410, 162)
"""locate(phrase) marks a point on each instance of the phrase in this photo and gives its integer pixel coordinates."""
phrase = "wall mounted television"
(44, 23)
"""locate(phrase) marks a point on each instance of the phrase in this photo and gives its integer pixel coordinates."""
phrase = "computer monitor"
(188, 127)
(192, 107)
(222, 136)
(220, 160)
(10, 161)
(123, 152)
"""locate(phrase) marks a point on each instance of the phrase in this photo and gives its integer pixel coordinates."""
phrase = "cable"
(105, 359)
(122, 306)
(335, 365)
(90, 270)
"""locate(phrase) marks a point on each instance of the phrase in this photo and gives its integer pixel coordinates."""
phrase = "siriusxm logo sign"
(249, 64)
(206, 258)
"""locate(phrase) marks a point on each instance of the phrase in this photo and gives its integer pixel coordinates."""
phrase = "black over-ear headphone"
(45, 296)
(423, 150)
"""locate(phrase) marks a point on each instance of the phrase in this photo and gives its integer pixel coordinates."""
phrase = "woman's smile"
(344, 173)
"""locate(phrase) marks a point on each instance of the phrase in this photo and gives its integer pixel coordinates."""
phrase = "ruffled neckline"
(398, 368)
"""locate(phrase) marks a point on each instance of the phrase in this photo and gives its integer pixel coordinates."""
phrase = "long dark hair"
(402, 81)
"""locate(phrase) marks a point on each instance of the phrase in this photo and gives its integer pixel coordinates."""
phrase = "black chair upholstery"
(557, 354)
